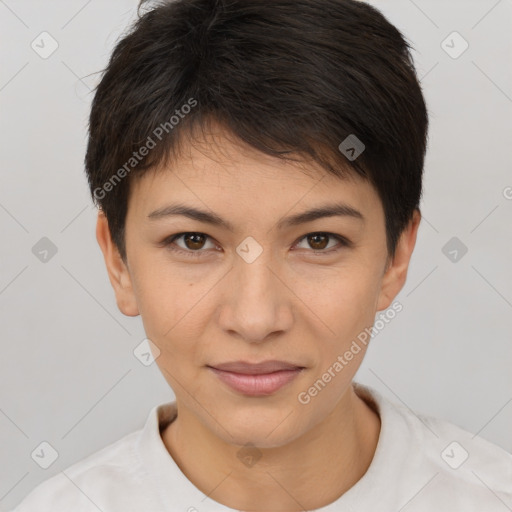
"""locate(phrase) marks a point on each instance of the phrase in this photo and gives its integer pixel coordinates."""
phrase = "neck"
(308, 473)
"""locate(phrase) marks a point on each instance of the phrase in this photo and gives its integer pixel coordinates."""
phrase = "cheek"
(167, 294)
(343, 300)
(346, 308)
(171, 315)
(173, 305)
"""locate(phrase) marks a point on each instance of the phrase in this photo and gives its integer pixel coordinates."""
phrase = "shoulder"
(441, 466)
(104, 480)
(474, 472)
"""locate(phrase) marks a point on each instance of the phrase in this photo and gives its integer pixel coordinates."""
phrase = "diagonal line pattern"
(76, 14)
(485, 15)
(277, 426)
(297, 202)
(166, 349)
(492, 211)
(425, 75)
(101, 398)
(14, 423)
(416, 494)
(413, 412)
(6, 6)
(14, 76)
(194, 305)
(491, 490)
(501, 409)
(422, 280)
(195, 399)
(492, 81)
(13, 217)
(88, 497)
(429, 223)
(79, 78)
(11, 489)
(333, 333)
(302, 508)
(291, 208)
(73, 219)
(96, 300)
(217, 486)
(424, 13)
(13, 279)
(494, 288)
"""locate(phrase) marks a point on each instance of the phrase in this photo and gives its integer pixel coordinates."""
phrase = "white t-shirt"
(421, 464)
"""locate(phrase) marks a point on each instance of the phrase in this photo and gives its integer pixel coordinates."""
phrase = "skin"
(292, 303)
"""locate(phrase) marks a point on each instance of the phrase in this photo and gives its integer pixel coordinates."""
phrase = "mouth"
(256, 379)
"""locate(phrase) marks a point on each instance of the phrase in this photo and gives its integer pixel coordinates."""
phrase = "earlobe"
(396, 272)
(117, 269)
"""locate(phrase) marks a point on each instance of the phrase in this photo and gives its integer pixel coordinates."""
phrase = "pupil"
(195, 239)
(315, 245)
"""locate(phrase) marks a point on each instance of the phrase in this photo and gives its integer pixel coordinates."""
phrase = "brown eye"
(318, 241)
(321, 242)
(191, 243)
(194, 241)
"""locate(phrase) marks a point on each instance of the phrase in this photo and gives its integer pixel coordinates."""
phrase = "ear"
(117, 269)
(396, 272)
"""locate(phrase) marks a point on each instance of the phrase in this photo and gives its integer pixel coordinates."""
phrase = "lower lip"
(256, 385)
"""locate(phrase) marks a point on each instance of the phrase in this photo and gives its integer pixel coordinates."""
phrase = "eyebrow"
(328, 210)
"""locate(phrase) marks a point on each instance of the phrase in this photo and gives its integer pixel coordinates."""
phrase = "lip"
(247, 368)
(256, 379)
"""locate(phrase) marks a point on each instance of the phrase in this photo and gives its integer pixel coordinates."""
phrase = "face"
(251, 280)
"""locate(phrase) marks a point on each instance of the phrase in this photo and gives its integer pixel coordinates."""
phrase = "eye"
(193, 243)
(320, 241)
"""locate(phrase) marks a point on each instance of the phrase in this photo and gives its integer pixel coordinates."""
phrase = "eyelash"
(168, 242)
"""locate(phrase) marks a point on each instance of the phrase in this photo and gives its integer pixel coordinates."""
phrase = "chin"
(257, 438)
(269, 429)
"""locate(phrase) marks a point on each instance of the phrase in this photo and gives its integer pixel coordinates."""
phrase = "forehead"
(217, 171)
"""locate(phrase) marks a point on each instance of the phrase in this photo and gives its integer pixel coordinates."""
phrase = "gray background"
(68, 374)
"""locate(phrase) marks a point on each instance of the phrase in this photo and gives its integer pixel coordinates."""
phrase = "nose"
(256, 303)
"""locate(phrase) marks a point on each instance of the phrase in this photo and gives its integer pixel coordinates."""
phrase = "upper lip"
(256, 368)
